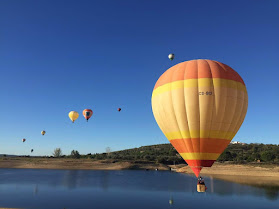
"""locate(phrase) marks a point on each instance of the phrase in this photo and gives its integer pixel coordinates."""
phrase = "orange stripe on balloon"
(207, 69)
(201, 145)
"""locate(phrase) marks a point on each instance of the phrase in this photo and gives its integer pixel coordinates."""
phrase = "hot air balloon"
(32, 150)
(87, 113)
(171, 56)
(73, 115)
(23, 140)
(200, 105)
(119, 109)
(43, 132)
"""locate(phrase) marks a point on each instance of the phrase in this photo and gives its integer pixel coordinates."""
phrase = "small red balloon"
(87, 113)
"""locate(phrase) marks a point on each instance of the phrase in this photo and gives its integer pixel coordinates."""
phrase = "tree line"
(251, 153)
(166, 154)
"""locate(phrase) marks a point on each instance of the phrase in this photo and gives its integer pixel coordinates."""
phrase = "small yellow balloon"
(73, 115)
(43, 132)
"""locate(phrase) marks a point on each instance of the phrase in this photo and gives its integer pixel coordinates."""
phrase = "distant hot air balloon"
(171, 56)
(119, 109)
(23, 140)
(87, 113)
(73, 115)
(200, 105)
(43, 132)
(32, 150)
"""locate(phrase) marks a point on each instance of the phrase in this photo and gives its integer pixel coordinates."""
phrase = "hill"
(166, 154)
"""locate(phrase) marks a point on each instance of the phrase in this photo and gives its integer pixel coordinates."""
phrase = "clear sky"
(57, 56)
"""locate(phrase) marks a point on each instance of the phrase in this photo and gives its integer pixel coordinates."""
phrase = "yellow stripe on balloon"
(200, 134)
(202, 82)
(200, 156)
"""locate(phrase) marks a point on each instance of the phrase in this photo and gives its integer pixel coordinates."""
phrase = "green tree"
(75, 154)
(225, 156)
(57, 152)
(267, 156)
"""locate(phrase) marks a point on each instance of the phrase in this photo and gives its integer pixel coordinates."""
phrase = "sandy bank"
(244, 174)
(87, 164)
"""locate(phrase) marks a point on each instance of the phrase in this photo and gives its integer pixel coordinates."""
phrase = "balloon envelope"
(119, 109)
(43, 132)
(73, 115)
(23, 140)
(200, 105)
(171, 56)
(87, 113)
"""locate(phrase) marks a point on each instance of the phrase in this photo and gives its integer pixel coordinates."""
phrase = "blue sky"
(58, 56)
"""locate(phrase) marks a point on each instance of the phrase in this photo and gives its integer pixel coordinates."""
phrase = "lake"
(131, 189)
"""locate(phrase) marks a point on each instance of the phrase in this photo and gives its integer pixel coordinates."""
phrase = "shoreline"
(77, 164)
(249, 174)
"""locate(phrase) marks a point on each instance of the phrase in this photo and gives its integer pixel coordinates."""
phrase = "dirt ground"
(244, 174)
(86, 164)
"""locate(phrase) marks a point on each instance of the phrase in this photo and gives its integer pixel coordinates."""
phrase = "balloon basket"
(200, 187)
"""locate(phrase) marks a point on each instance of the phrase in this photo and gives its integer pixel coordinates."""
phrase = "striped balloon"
(200, 105)
(87, 113)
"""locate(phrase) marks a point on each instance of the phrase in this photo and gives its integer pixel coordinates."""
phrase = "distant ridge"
(5, 155)
(165, 153)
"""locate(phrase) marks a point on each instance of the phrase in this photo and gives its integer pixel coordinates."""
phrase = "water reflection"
(36, 189)
(131, 180)
(271, 192)
(78, 178)
(114, 188)
(171, 201)
(105, 180)
(224, 188)
(70, 179)
(211, 184)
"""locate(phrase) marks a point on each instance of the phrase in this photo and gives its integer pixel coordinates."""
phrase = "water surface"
(38, 188)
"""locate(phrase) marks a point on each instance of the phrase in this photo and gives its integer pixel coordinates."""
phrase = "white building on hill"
(237, 142)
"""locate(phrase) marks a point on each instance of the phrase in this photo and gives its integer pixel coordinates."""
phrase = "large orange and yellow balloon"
(200, 105)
